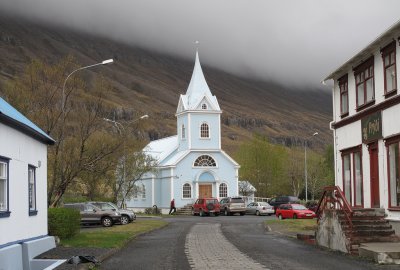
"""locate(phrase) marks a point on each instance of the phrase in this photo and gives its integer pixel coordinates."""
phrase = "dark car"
(91, 214)
(206, 206)
(277, 201)
(232, 205)
(127, 215)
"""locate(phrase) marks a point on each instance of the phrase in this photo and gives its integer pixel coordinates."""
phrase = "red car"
(206, 206)
(294, 211)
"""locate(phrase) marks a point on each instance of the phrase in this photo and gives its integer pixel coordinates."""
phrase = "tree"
(295, 170)
(245, 188)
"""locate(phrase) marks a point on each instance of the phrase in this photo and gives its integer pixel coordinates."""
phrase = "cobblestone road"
(207, 248)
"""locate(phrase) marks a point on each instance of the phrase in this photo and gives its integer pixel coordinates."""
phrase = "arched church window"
(205, 161)
(186, 191)
(223, 190)
(204, 106)
(204, 131)
(143, 191)
(183, 132)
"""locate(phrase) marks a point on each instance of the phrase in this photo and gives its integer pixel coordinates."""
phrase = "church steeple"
(197, 91)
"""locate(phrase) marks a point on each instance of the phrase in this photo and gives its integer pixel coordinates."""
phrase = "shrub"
(152, 210)
(63, 222)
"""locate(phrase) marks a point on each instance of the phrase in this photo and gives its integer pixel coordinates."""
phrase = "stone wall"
(329, 232)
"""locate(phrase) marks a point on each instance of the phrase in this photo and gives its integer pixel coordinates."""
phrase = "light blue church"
(191, 164)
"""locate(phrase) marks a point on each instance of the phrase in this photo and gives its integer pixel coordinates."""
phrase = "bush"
(63, 222)
(152, 210)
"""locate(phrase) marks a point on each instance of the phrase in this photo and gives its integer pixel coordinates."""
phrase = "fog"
(294, 42)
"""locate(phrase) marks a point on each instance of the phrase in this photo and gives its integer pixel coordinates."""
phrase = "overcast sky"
(296, 42)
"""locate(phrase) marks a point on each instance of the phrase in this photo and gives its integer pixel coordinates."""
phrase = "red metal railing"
(334, 198)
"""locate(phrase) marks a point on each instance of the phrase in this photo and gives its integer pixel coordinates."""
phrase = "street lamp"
(305, 162)
(118, 125)
(105, 62)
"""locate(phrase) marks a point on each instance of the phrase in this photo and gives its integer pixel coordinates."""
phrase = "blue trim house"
(191, 164)
(23, 192)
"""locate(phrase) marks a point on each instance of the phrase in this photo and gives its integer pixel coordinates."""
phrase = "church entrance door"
(205, 191)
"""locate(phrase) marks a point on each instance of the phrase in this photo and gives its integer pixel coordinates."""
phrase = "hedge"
(63, 222)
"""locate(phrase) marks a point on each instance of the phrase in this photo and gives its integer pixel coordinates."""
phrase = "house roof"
(161, 149)
(10, 116)
(197, 90)
(385, 37)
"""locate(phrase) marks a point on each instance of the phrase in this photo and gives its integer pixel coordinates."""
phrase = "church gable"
(205, 105)
(181, 104)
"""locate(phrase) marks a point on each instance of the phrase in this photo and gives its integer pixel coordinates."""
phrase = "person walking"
(172, 207)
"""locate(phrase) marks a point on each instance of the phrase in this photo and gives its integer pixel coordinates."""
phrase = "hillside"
(147, 82)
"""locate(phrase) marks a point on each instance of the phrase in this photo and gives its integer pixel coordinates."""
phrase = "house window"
(4, 188)
(205, 161)
(143, 192)
(204, 106)
(186, 191)
(223, 190)
(364, 75)
(183, 132)
(389, 66)
(204, 131)
(393, 153)
(353, 176)
(32, 190)
(344, 97)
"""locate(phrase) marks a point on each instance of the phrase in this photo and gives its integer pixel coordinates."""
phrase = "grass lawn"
(113, 237)
(293, 225)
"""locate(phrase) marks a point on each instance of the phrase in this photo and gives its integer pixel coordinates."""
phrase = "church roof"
(197, 90)
(161, 149)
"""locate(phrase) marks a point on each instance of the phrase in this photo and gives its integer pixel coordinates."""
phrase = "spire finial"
(197, 45)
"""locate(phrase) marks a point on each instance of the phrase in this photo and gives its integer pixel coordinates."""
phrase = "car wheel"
(242, 213)
(193, 213)
(124, 220)
(201, 213)
(257, 213)
(226, 212)
(294, 216)
(106, 222)
(216, 214)
(280, 217)
(269, 214)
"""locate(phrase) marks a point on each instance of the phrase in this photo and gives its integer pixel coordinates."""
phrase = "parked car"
(127, 215)
(260, 208)
(232, 205)
(91, 214)
(294, 211)
(275, 202)
(206, 206)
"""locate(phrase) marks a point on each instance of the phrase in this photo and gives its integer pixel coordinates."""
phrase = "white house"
(192, 163)
(23, 192)
(366, 125)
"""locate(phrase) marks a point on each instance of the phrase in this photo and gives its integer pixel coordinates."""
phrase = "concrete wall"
(329, 232)
(23, 151)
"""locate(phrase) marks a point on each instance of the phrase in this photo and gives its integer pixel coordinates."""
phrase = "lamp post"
(305, 162)
(118, 125)
(105, 62)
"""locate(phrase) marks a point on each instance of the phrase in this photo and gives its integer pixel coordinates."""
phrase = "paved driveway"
(227, 243)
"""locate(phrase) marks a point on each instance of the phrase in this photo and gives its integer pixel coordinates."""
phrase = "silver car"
(127, 216)
(260, 208)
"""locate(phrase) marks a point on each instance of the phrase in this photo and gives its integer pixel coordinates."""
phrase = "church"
(191, 164)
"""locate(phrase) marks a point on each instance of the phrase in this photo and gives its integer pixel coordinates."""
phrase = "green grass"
(293, 225)
(114, 237)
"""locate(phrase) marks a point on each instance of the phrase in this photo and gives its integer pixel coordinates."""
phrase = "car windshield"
(299, 207)
(264, 204)
(237, 200)
(211, 201)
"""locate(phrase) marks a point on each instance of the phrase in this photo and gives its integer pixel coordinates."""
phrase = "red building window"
(364, 75)
(353, 187)
(393, 160)
(344, 96)
(389, 68)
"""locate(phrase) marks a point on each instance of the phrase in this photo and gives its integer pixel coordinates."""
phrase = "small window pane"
(392, 60)
(390, 78)
(204, 131)
(31, 188)
(358, 179)
(394, 174)
(187, 191)
(387, 60)
(344, 103)
(370, 89)
(360, 93)
(347, 177)
(3, 186)
(223, 190)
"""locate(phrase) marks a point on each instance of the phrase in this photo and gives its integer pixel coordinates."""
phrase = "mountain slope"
(150, 83)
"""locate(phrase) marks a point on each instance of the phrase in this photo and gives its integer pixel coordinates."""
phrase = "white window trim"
(183, 132)
(4, 213)
(227, 190)
(191, 191)
(204, 104)
(209, 131)
(209, 167)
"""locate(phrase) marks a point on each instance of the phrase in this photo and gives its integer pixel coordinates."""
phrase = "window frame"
(343, 89)
(209, 158)
(183, 191)
(183, 132)
(360, 69)
(358, 150)
(6, 212)
(204, 106)
(205, 124)
(343, 178)
(32, 211)
(388, 50)
(388, 142)
(226, 190)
